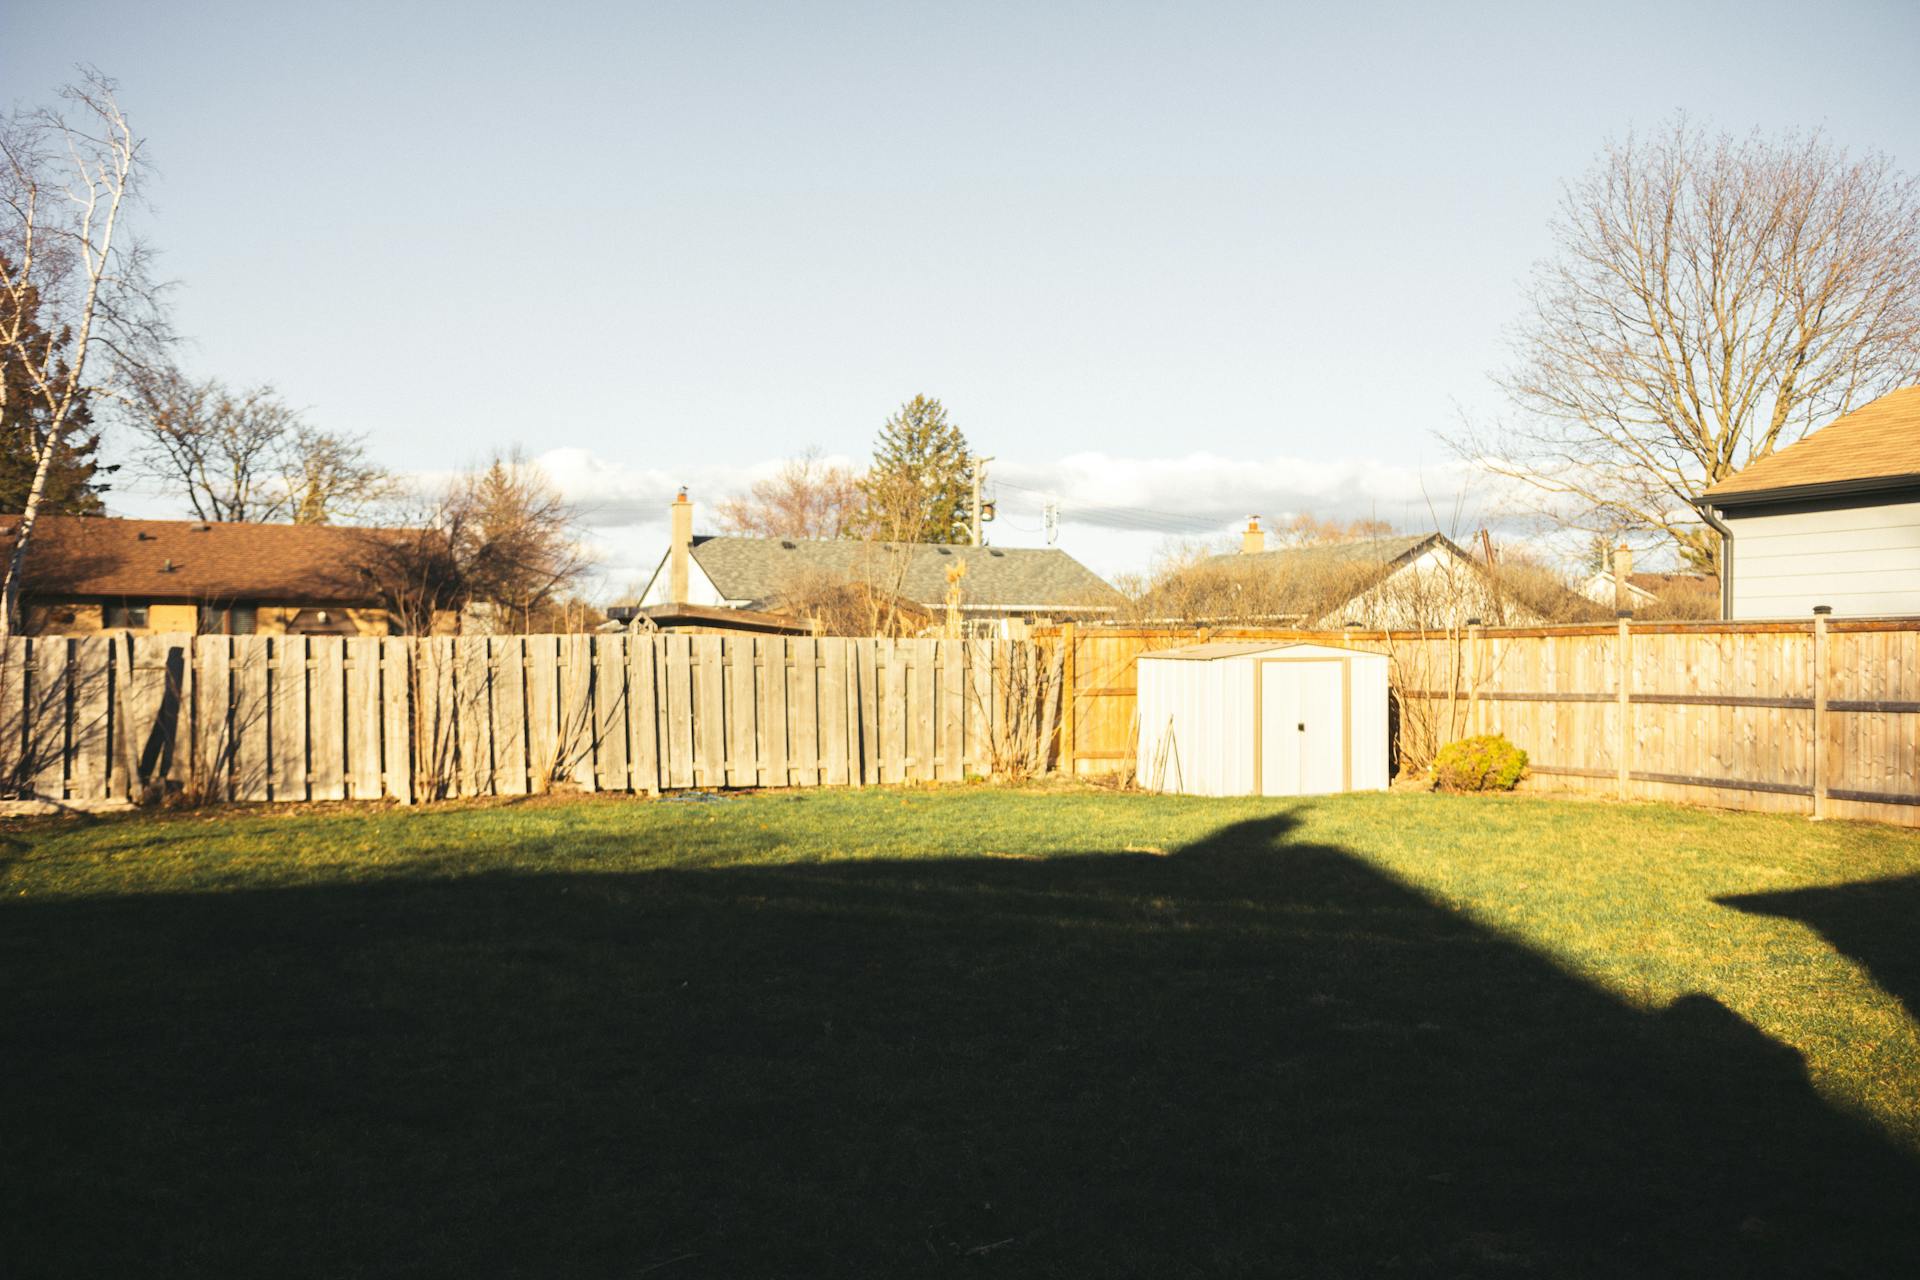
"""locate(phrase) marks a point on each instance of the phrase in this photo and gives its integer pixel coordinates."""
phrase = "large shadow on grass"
(1253, 1057)
(1876, 922)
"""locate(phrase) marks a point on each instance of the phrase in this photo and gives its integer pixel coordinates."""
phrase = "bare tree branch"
(1711, 299)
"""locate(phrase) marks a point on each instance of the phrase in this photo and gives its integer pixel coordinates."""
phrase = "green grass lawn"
(961, 1032)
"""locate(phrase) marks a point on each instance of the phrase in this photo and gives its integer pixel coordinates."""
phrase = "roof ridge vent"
(143, 536)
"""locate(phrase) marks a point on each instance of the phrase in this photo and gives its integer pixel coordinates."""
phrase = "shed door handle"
(1301, 727)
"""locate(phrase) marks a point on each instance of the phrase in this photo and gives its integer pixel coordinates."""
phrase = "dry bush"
(1024, 709)
(1196, 584)
(1526, 590)
(850, 605)
(1683, 598)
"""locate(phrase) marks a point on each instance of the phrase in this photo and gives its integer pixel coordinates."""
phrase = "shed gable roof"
(1215, 650)
(1877, 443)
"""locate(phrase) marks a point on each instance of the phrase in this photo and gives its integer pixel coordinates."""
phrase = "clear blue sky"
(1224, 258)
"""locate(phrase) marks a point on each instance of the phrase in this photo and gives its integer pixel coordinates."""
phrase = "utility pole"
(979, 470)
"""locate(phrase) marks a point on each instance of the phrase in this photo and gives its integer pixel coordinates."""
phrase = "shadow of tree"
(1876, 922)
(1252, 1057)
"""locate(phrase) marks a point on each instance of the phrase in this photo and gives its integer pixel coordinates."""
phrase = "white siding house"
(1832, 520)
(1861, 558)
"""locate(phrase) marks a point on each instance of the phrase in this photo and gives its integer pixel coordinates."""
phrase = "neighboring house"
(87, 574)
(1401, 581)
(758, 574)
(1831, 520)
(1678, 594)
(1601, 589)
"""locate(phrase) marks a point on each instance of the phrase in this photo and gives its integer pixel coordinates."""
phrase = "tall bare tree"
(246, 454)
(1710, 299)
(69, 180)
(500, 536)
(808, 497)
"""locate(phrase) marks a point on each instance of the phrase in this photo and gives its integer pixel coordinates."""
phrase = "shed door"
(1302, 727)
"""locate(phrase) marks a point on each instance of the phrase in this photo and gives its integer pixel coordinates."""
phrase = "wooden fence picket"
(48, 732)
(328, 725)
(92, 717)
(676, 748)
(709, 713)
(610, 712)
(360, 658)
(803, 712)
(643, 713)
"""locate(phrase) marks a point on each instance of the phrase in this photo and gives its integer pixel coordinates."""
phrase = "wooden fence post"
(1623, 695)
(1470, 726)
(1820, 614)
(1067, 717)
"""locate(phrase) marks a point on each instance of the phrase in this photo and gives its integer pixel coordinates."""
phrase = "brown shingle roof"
(279, 563)
(1880, 441)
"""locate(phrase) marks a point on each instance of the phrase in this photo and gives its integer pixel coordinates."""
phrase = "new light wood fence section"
(102, 718)
(1818, 717)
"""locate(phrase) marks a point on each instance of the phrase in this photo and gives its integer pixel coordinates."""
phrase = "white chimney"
(1254, 539)
(1622, 571)
(680, 551)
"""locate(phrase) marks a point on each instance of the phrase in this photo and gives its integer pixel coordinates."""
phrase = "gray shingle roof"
(1359, 553)
(758, 570)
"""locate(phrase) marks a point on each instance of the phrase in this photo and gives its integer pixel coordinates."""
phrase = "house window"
(124, 613)
(233, 620)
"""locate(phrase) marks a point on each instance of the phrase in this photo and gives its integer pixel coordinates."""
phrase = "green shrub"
(1488, 763)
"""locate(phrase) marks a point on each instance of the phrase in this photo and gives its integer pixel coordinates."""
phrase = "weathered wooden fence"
(108, 718)
(1818, 717)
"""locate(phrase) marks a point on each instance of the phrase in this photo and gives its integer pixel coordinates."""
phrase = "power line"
(1145, 519)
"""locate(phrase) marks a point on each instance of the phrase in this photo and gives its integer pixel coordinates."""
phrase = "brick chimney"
(680, 550)
(1622, 571)
(1254, 539)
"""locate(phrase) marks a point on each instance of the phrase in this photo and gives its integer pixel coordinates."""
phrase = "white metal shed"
(1256, 718)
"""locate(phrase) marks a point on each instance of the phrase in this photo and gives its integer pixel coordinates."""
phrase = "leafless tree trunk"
(1710, 299)
(66, 187)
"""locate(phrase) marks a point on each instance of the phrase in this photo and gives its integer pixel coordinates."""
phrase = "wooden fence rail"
(1820, 716)
(105, 718)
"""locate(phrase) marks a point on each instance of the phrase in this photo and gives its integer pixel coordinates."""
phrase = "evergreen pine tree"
(920, 485)
(74, 483)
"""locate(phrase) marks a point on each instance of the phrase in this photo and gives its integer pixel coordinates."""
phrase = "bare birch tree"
(69, 178)
(1710, 299)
